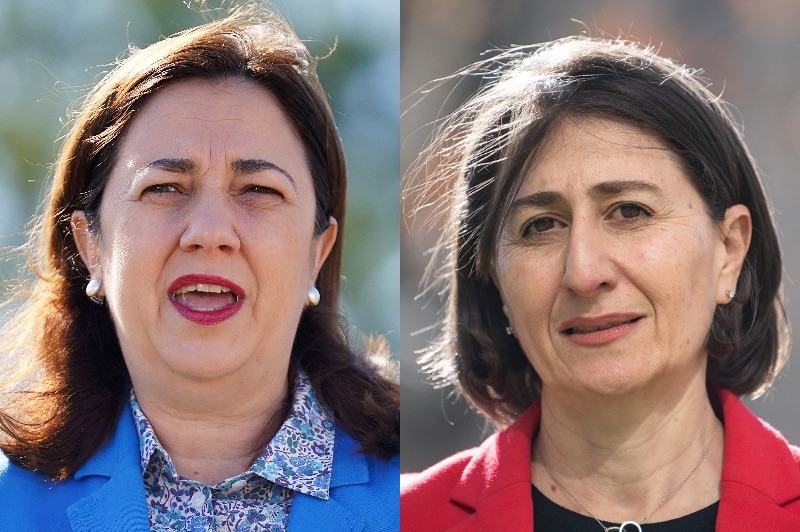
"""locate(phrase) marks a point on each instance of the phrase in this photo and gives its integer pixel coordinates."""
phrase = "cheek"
(528, 285)
(677, 270)
(133, 251)
(281, 250)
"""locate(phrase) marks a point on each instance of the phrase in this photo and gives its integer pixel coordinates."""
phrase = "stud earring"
(313, 296)
(731, 293)
(93, 288)
(509, 330)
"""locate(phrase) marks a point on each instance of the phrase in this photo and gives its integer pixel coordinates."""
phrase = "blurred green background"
(51, 51)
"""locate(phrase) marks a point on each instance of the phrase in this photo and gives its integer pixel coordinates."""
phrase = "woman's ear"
(736, 231)
(323, 246)
(87, 243)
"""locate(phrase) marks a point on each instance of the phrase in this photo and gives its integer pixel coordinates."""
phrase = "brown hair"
(64, 400)
(482, 152)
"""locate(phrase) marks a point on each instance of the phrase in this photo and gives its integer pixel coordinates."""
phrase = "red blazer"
(489, 488)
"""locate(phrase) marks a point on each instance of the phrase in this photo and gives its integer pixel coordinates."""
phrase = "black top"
(550, 517)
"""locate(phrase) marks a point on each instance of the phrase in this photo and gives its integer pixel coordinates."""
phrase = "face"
(206, 247)
(609, 265)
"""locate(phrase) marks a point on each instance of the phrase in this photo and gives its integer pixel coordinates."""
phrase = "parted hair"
(65, 380)
(480, 154)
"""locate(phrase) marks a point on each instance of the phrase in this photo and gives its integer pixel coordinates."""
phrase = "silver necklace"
(630, 526)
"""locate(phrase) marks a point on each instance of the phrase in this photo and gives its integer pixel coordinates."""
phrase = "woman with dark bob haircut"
(179, 363)
(612, 278)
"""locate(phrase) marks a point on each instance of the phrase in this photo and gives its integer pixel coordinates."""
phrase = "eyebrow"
(239, 166)
(600, 190)
(172, 165)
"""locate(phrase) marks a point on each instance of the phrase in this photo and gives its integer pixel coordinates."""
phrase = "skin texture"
(610, 269)
(186, 197)
(592, 253)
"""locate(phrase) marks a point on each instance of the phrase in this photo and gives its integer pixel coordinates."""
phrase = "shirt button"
(198, 500)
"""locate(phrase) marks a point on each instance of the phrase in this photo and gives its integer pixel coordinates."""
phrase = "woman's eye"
(630, 211)
(161, 188)
(538, 226)
(261, 189)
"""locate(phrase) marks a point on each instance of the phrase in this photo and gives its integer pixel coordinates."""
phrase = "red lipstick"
(205, 299)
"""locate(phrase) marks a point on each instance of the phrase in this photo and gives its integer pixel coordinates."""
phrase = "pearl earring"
(93, 288)
(509, 330)
(313, 296)
(731, 294)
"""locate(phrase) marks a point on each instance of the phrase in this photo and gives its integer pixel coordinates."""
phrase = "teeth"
(580, 330)
(583, 330)
(203, 287)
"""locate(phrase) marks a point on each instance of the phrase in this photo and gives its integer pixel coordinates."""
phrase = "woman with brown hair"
(612, 277)
(179, 363)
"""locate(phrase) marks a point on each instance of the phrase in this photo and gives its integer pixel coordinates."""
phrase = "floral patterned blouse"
(298, 459)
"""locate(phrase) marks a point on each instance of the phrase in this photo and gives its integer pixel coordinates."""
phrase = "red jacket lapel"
(489, 488)
(760, 487)
(497, 481)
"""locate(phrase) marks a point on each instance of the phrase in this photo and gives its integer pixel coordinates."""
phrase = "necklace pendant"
(627, 526)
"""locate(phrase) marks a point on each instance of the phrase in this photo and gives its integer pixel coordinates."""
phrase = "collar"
(760, 488)
(500, 472)
(760, 484)
(123, 493)
(299, 456)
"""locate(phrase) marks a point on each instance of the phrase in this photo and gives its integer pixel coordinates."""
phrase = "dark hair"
(482, 152)
(62, 406)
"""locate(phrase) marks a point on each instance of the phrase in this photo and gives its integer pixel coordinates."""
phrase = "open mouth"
(600, 327)
(205, 297)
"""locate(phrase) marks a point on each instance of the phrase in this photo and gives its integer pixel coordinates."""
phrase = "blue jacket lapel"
(310, 514)
(119, 505)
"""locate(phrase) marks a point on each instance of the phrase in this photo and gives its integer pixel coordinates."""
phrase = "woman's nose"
(210, 224)
(589, 267)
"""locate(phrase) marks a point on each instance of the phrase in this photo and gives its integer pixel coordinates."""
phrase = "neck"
(213, 431)
(621, 456)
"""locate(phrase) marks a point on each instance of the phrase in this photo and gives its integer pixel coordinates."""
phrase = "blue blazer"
(106, 494)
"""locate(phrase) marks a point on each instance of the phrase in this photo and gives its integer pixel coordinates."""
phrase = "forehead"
(585, 150)
(204, 120)
(221, 102)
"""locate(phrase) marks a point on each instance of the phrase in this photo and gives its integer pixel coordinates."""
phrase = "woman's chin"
(202, 365)
(606, 382)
